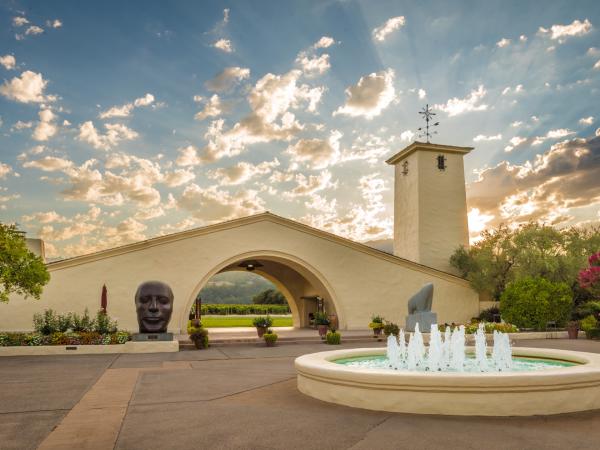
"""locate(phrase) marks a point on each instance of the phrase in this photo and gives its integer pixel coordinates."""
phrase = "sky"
(121, 121)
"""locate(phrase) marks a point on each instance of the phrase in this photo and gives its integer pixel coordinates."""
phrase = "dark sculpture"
(422, 300)
(154, 306)
(419, 310)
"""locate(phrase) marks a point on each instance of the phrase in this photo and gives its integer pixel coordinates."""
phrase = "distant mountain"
(385, 245)
(234, 288)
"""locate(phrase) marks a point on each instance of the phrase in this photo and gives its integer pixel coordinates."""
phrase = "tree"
(21, 272)
(269, 297)
(504, 255)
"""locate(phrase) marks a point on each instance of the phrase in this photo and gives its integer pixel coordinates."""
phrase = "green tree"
(269, 297)
(504, 255)
(21, 272)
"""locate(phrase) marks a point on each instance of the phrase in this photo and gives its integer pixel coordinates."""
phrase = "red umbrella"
(104, 299)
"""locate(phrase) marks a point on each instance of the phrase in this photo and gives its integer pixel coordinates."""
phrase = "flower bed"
(59, 338)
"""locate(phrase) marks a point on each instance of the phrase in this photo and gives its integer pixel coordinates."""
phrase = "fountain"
(448, 377)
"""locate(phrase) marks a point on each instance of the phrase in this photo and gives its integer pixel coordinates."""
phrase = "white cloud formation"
(561, 32)
(19, 21)
(56, 23)
(324, 42)
(45, 217)
(370, 96)
(503, 43)
(5, 169)
(28, 88)
(597, 65)
(317, 153)
(125, 110)
(8, 62)
(214, 205)
(224, 45)
(586, 120)
(311, 184)
(241, 172)
(49, 164)
(212, 108)
(380, 33)
(422, 94)
(456, 106)
(407, 135)
(34, 30)
(115, 133)
(225, 80)
(313, 65)
(46, 127)
(482, 137)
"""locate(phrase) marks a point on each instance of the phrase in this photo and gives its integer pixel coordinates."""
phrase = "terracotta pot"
(573, 333)
(323, 330)
(377, 332)
(260, 331)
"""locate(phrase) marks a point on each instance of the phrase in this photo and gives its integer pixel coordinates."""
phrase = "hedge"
(224, 310)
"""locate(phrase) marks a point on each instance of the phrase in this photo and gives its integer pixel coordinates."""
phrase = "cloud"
(324, 42)
(380, 33)
(214, 205)
(518, 141)
(586, 120)
(422, 94)
(223, 45)
(560, 32)
(311, 184)
(317, 153)
(115, 133)
(368, 147)
(19, 21)
(597, 65)
(45, 217)
(178, 177)
(225, 80)
(545, 189)
(241, 172)
(482, 137)
(226, 15)
(456, 106)
(313, 65)
(56, 23)
(407, 135)
(8, 62)
(212, 108)
(5, 169)
(34, 30)
(503, 43)
(370, 96)
(517, 89)
(28, 88)
(46, 128)
(49, 164)
(125, 110)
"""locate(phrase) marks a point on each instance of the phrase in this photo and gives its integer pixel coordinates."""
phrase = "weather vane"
(428, 116)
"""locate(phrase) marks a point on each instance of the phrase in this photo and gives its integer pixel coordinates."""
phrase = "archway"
(299, 282)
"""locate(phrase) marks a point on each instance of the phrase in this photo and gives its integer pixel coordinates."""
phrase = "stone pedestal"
(150, 337)
(424, 319)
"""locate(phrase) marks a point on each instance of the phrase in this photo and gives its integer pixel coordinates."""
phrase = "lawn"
(237, 321)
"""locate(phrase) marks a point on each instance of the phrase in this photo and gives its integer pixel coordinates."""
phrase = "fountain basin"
(543, 392)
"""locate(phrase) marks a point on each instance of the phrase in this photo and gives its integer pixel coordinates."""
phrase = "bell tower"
(430, 205)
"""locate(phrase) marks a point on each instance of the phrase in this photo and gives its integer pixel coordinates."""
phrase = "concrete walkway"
(237, 397)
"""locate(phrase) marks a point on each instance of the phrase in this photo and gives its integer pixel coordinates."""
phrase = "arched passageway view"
(265, 285)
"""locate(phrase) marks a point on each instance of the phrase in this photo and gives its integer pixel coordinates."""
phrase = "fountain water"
(447, 352)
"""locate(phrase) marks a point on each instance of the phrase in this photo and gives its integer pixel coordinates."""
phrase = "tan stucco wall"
(356, 281)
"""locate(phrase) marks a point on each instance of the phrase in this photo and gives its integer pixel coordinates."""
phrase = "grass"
(225, 321)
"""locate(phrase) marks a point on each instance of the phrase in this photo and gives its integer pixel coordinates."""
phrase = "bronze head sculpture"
(154, 306)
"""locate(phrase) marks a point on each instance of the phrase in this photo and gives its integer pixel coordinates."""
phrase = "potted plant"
(391, 328)
(270, 338)
(262, 324)
(198, 334)
(376, 325)
(322, 323)
(573, 329)
(333, 337)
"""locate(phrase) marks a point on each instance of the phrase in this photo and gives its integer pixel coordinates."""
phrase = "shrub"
(376, 322)
(491, 327)
(45, 323)
(264, 322)
(489, 315)
(533, 302)
(270, 337)
(333, 337)
(594, 333)
(321, 318)
(198, 334)
(589, 323)
(82, 323)
(104, 324)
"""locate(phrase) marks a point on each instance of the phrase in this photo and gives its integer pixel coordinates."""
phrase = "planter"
(260, 331)
(377, 332)
(573, 332)
(323, 329)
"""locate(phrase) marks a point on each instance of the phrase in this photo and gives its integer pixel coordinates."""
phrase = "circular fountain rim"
(548, 391)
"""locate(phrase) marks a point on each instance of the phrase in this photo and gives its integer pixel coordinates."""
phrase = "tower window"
(405, 168)
(441, 162)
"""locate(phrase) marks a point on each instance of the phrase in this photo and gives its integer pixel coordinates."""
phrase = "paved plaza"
(237, 397)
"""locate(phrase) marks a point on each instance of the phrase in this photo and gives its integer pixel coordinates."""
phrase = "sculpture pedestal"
(149, 337)
(424, 319)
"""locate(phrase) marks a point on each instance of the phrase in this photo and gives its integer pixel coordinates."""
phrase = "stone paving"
(237, 397)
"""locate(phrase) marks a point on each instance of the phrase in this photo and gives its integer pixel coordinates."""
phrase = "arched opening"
(303, 286)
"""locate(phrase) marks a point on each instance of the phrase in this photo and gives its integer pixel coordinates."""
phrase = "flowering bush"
(376, 322)
(58, 338)
(589, 279)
